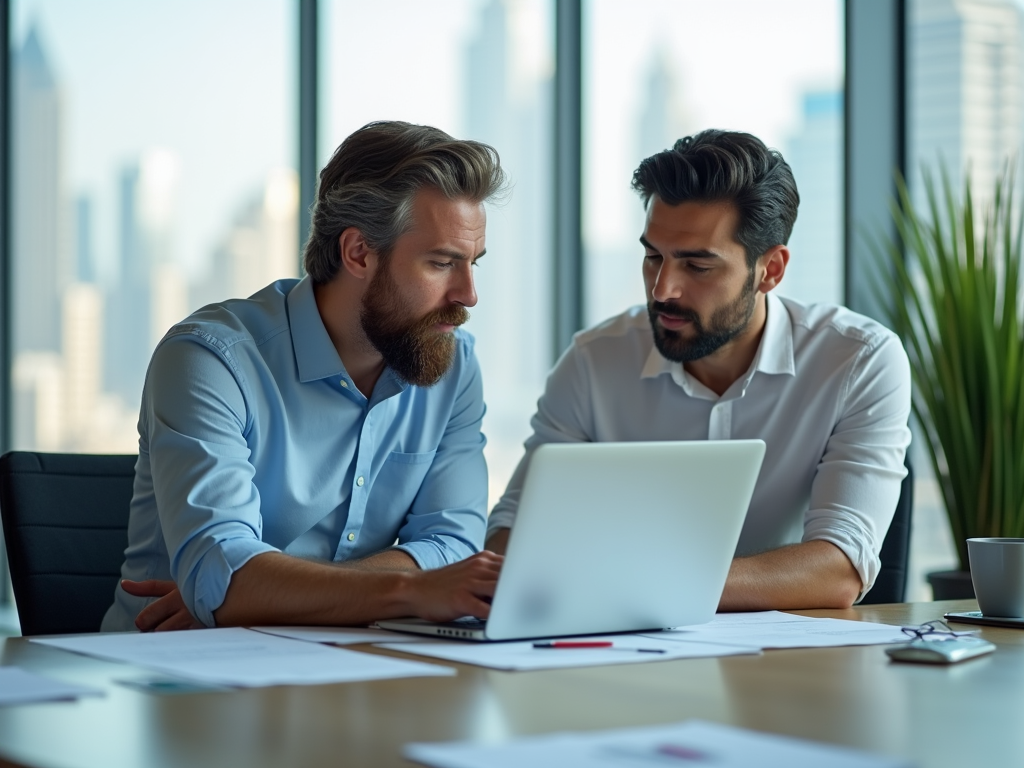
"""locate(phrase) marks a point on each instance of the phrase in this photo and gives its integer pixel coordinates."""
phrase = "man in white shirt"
(716, 355)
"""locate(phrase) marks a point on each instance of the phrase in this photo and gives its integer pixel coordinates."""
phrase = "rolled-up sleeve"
(564, 415)
(447, 519)
(857, 483)
(208, 506)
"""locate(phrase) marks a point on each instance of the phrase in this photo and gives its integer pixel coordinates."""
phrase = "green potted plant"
(951, 285)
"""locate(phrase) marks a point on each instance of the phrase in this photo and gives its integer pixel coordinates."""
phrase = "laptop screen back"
(614, 537)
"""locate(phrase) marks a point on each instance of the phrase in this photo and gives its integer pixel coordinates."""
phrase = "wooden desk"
(971, 714)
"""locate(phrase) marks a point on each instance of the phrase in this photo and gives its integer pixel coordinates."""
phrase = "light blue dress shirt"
(253, 438)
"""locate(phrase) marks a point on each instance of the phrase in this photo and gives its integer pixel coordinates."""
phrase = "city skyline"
(123, 226)
(504, 98)
(135, 284)
(82, 341)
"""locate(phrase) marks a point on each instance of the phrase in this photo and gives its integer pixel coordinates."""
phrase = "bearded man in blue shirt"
(313, 454)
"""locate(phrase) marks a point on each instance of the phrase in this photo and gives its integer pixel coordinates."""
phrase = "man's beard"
(726, 324)
(411, 347)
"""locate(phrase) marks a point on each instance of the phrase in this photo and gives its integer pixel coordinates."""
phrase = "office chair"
(65, 519)
(891, 584)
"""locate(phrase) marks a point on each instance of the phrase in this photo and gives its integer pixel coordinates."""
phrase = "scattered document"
(241, 658)
(694, 743)
(20, 687)
(774, 629)
(341, 635)
(525, 656)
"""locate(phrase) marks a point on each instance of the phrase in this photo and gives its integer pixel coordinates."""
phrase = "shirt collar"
(315, 355)
(774, 353)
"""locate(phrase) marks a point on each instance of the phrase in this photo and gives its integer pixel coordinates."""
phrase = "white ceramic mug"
(997, 571)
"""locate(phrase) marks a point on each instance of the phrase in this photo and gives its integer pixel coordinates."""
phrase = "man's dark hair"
(371, 179)
(726, 166)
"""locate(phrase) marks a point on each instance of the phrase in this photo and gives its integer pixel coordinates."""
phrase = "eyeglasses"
(934, 630)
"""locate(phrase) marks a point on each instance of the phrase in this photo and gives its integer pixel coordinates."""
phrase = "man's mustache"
(453, 314)
(673, 310)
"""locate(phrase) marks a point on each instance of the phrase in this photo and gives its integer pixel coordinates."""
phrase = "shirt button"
(360, 481)
(351, 537)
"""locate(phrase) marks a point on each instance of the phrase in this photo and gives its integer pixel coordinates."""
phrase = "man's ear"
(357, 258)
(774, 263)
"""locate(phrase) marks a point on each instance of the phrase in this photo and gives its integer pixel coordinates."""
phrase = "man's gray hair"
(371, 179)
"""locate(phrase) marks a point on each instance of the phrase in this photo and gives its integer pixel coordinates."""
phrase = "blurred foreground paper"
(241, 657)
(20, 687)
(694, 743)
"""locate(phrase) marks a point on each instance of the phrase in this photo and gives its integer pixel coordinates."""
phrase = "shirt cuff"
(500, 518)
(863, 557)
(436, 552)
(214, 574)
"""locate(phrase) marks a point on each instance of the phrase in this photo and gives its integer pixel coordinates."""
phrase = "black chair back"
(65, 519)
(891, 584)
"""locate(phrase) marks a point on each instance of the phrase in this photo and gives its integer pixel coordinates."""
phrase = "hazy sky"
(742, 65)
(212, 81)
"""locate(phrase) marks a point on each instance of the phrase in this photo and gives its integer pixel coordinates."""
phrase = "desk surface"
(966, 714)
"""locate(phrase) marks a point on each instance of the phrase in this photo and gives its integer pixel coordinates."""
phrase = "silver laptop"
(616, 537)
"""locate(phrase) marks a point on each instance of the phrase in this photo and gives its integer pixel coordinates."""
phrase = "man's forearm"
(497, 542)
(815, 574)
(387, 560)
(274, 588)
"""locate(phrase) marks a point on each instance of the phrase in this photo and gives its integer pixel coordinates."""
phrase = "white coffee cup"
(997, 571)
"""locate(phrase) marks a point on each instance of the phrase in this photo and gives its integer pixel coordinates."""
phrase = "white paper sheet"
(522, 656)
(241, 657)
(694, 743)
(774, 629)
(342, 635)
(17, 686)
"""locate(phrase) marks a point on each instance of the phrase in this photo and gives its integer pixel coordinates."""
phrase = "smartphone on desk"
(977, 617)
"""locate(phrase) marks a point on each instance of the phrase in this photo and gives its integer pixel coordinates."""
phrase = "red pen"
(575, 644)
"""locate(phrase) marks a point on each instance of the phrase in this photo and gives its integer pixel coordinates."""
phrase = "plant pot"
(951, 585)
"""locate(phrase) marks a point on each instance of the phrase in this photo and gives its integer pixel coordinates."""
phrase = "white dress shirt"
(828, 391)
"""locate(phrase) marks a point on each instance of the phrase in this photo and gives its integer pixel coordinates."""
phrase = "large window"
(152, 172)
(478, 69)
(965, 111)
(154, 147)
(658, 70)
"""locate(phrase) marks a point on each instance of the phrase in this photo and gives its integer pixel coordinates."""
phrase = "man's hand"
(167, 613)
(461, 589)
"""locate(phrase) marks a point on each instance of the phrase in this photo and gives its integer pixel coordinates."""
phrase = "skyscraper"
(663, 117)
(815, 271)
(85, 257)
(40, 261)
(967, 87)
(82, 363)
(506, 103)
(506, 106)
(614, 280)
(150, 291)
(259, 247)
(127, 320)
